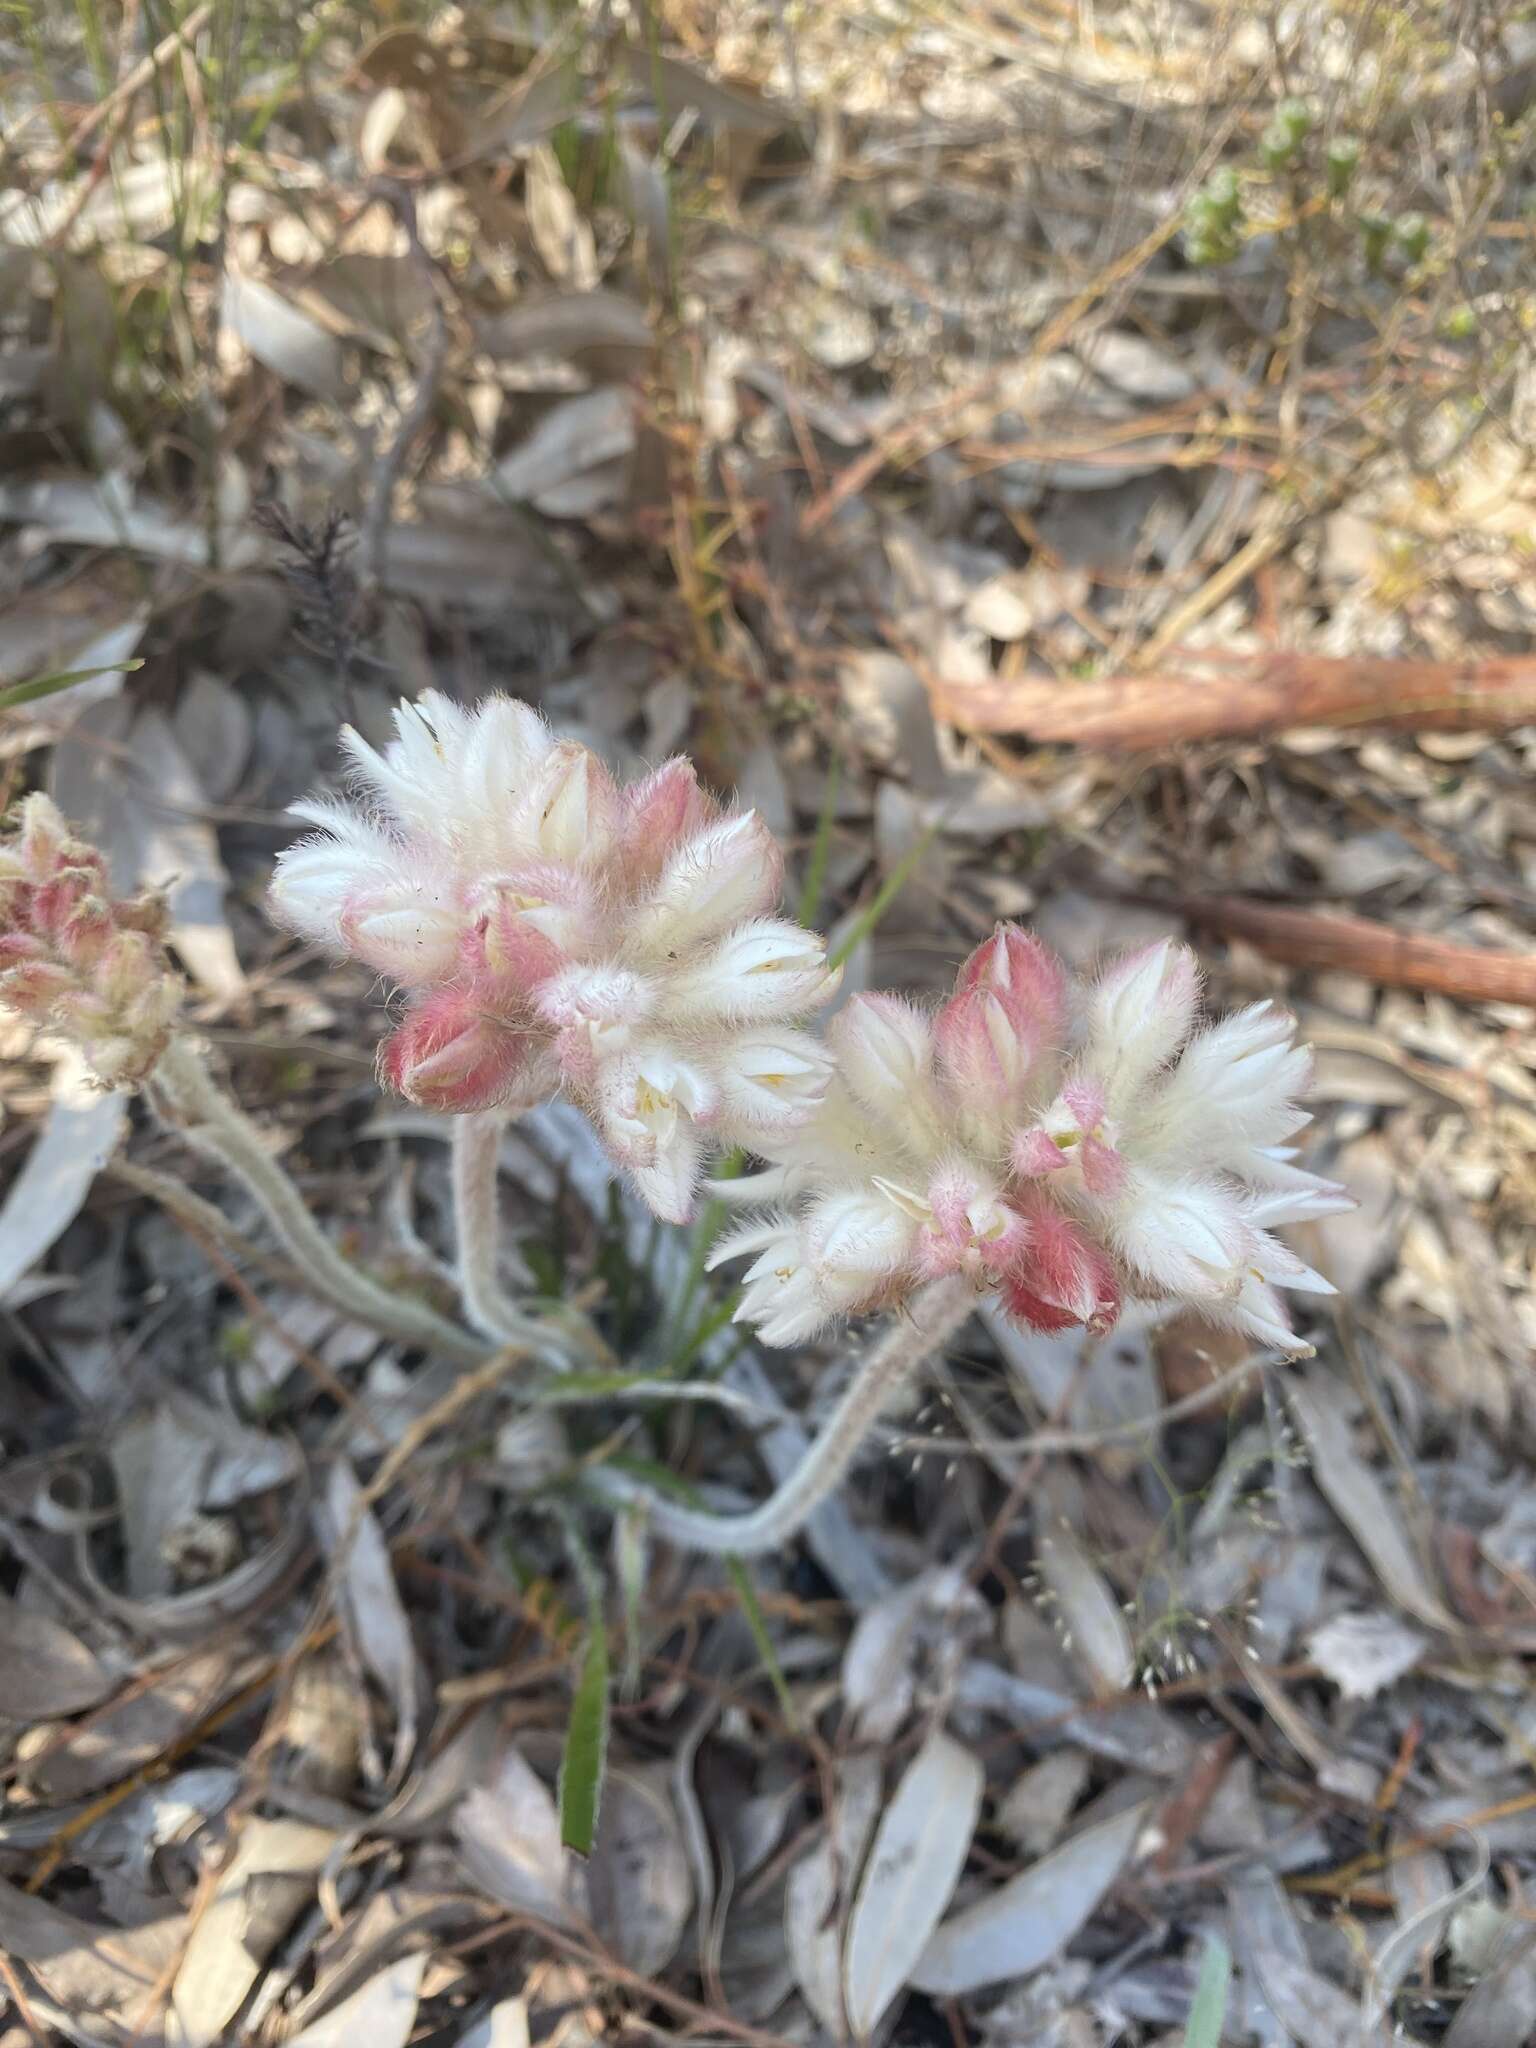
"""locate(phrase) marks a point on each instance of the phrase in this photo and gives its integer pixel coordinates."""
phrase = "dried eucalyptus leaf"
(914, 1864)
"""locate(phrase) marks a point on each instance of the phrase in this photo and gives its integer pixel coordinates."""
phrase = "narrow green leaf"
(47, 686)
(1209, 2010)
(716, 1319)
(629, 1556)
(882, 899)
(586, 1745)
(809, 907)
(752, 1608)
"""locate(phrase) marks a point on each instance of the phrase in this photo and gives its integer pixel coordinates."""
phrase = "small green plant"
(1213, 220)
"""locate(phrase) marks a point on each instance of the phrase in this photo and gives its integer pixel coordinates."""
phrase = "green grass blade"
(752, 1608)
(46, 686)
(882, 899)
(585, 1757)
(1209, 2011)
(808, 909)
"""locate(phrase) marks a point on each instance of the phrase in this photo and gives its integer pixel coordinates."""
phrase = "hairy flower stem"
(933, 1316)
(476, 1146)
(214, 1126)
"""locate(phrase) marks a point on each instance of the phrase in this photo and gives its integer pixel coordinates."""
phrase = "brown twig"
(19, 1999)
(1215, 697)
(1302, 938)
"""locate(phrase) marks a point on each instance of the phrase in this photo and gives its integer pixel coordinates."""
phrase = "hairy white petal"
(1139, 1014)
(1187, 1237)
(730, 871)
(884, 1050)
(856, 1244)
(772, 1080)
(764, 971)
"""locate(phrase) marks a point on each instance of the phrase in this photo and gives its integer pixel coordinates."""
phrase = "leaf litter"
(797, 390)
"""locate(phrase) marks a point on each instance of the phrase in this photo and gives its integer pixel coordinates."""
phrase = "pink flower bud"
(32, 987)
(453, 1052)
(666, 807)
(517, 953)
(1062, 1278)
(988, 1050)
(1025, 976)
(1036, 1152)
(74, 961)
(974, 1229)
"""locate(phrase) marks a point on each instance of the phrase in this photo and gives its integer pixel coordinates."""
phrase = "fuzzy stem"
(933, 1316)
(217, 1127)
(476, 1148)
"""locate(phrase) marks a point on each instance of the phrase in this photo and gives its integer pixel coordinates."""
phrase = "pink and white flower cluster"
(76, 962)
(556, 929)
(1064, 1146)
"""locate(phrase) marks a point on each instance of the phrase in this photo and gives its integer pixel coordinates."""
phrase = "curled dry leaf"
(1094, 1629)
(639, 1886)
(1269, 1945)
(215, 728)
(281, 338)
(117, 1740)
(568, 324)
(1031, 1918)
(275, 1860)
(508, 1832)
(45, 1669)
(937, 1609)
(504, 2026)
(107, 1973)
(571, 464)
(125, 783)
(1358, 1497)
(635, 1889)
(382, 2014)
(81, 1132)
(914, 1865)
(372, 1612)
(1501, 2008)
(1037, 1806)
(1364, 1653)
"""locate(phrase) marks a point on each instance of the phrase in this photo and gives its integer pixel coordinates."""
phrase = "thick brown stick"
(1396, 959)
(1241, 697)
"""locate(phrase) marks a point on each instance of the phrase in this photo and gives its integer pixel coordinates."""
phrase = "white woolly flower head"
(1065, 1147)
(553, 927)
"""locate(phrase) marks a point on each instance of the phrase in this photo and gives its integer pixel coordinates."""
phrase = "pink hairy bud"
(453, 1052)
(668, 806)
(987, 1050)
(1062, 1278)
(974, 1230)
(1025, 976)
(73, 960)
